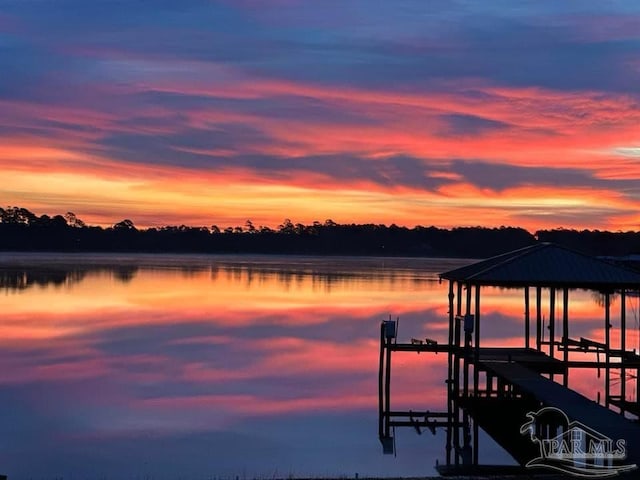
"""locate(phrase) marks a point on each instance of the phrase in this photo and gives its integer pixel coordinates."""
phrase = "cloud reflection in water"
(192, 366)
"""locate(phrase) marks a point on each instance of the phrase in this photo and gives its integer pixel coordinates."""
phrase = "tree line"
(22, 230)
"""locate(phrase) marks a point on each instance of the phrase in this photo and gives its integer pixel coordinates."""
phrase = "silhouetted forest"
(22, 230)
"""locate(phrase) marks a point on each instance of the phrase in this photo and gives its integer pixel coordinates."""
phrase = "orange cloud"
(67, 169)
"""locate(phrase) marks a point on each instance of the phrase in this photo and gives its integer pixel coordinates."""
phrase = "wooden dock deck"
(533, 359)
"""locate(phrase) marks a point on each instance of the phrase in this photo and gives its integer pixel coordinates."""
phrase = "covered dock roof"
(546, 265)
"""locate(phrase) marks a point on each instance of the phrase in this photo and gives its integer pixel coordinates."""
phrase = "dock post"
(552, 320)
(451, 314)
(476, 356)
(467, 343)
(607, 347)
(637, 385)
(538, 318)
(450, 386)
(552, 324)
(465, 386)
(387, 384)
(456, 377)
(565, 332)
(381, 418)
(476, 372)
(476, 353)
(623, 347)
(526, 317)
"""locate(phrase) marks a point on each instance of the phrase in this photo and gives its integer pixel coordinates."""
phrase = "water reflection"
(212, 366)
(23, 278)
(20, 271)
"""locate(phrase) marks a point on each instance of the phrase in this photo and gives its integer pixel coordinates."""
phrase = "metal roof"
(546, 265)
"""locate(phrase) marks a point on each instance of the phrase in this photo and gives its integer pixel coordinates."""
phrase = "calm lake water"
(226, 366)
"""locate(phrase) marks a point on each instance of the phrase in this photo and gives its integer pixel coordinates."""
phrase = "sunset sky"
(444, 112)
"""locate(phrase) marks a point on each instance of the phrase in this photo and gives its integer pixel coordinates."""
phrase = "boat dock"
(530, 383)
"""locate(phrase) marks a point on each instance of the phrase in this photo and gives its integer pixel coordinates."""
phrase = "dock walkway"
(576, 406)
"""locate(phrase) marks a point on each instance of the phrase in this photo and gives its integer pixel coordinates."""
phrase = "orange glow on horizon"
(589, 131)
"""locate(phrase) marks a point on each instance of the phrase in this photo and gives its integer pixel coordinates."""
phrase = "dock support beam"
(526, 317)
(467, 343)
(476, 373)
(565, 331)
(467, 361)
(382, 421)
(607, 343)
(450, 385)
(538, 318)
(456, 377)
(552, 320)
(623, 347)
(552, 323)
(476, 324)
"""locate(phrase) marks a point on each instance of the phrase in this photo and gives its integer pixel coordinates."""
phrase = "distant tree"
(17, 215)
(59, 221)
(286, 227)
(299, 229)
(315, 228)
(74, 221)
(250, 227)
(125, 224)
(21, 229)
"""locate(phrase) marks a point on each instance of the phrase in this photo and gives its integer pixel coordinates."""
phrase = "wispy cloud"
(402, 106)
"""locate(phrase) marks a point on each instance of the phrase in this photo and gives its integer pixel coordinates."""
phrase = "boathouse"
(485, 383)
